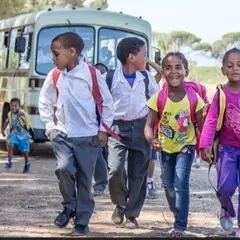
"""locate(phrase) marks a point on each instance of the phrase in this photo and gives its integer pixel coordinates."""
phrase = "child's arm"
(152, 118)
(158, 69)
(209, 129)
(108, 109)
(4, 127)
(47, 99)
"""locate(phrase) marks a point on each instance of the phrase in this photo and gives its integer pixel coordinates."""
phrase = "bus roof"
(85, 13)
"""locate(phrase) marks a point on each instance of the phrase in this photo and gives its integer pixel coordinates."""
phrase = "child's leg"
(86, 151)
(168, 168)
(227, 177)
(150, 181)
(184, 161)
(24, 147)
(10, 155)
(100, 175)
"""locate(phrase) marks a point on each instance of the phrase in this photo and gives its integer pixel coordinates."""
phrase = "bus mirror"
(20, 44)
(157, 57)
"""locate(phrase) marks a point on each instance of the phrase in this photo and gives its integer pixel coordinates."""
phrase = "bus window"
(108, 41)
(44, 61)
(2, 50)
(13, 56)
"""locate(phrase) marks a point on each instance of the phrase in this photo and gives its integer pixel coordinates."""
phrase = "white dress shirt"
(130, 103)
(76, 108)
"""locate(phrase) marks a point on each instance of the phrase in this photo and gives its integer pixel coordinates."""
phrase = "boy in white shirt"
(73, 128)
(130, 90)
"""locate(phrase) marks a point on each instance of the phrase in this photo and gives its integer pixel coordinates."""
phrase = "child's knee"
(65, 169)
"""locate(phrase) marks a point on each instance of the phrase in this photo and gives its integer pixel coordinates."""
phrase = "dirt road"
(29, 204)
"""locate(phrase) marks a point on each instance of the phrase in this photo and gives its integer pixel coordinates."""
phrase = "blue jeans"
(176, 173)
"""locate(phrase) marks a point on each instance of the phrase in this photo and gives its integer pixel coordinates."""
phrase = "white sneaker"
(226, 221)
(237, 233)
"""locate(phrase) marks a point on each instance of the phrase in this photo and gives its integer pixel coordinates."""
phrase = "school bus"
(25, 56)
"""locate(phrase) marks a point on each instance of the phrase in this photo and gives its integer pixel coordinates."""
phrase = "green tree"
(99, 4)
(15, 7)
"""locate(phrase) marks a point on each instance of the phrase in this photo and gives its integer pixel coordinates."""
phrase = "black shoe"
(8, 165)
(26, 167)
(64, 217)
(98, 193)
(118, 215)
(80, 230)
(131, 223)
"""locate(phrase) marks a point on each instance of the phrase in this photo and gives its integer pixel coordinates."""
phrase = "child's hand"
(156, 144)
(102, 138)
(206, 155)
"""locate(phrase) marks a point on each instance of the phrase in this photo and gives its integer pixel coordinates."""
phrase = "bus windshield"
(44, 62)
(108, 41)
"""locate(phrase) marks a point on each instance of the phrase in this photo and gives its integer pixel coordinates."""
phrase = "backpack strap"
(146, 82)
(109, 78)
(221, 107)
(162, 99)
(55, 75)
(193, 100)
(98, 99)
(9, 117)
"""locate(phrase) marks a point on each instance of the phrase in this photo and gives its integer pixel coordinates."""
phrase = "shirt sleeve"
(46, 102)
(152, 102)
(200, 104)
(209, 127)
(153, 87)
(108, 109)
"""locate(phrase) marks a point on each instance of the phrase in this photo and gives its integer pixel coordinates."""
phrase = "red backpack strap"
(162, 99)
(161, 102)
(55, 76)
(98, 99)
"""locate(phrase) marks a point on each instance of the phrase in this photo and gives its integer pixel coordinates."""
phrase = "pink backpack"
(192, 89)
(95, 92)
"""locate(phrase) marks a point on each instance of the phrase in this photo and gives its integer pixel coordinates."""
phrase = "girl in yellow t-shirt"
(176, 137)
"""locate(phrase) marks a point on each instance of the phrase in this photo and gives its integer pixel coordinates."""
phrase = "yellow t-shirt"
(176, 129)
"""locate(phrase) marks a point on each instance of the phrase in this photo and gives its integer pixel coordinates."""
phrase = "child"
(101, 67)
(76, 136)
(129, 89)
(176, 139)
(19, 136)
(101, 168)
(229, 149)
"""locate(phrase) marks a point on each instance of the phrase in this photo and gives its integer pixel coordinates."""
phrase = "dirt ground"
(29, 204)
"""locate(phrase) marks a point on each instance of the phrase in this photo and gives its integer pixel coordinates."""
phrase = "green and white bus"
(26, 59)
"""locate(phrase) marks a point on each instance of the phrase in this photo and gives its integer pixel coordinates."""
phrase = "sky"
(208, 19)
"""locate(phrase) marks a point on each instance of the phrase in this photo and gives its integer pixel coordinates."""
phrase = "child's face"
(63, 57)
(231, 67)
(139, 60)
(101, 68)
(174, 71)
(14, 106)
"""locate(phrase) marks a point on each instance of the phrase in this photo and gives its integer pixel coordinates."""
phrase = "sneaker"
(64, 217)
(8, 165)
(178, 233)
(26, 167)
(237, 233)
(131, 223)
(118, 215)
(226, 221)
(98, 193)
(80, 230)
(152, 192)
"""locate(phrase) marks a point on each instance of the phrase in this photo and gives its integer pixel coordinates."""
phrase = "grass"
(207, 75)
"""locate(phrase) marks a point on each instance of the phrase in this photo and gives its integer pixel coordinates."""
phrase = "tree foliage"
(14, 7)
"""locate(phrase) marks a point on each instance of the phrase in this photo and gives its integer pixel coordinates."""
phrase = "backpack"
(95, 93)
(26, 124)
(192, 89)
(109, 80)
(221, 116)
